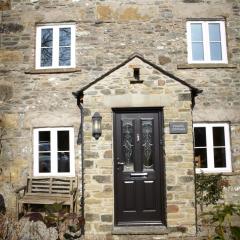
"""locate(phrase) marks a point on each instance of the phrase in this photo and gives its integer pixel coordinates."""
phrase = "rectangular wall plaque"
(178, 127)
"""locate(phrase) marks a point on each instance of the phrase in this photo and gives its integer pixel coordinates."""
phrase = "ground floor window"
(212, 147)
(53, 151)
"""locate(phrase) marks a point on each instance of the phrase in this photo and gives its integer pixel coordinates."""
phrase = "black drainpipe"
(194, 94)
(80, 140)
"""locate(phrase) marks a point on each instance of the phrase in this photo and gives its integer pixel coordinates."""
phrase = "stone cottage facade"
(163, 75)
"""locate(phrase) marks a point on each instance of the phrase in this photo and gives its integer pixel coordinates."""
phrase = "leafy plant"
(67, 225)
(209, 189)
(222, 218)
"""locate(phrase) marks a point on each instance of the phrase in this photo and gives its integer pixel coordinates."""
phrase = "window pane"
(214, 32)
(65, 37)
(200, 157)
(63, 162)
(218, 136)
(197, 51)
(44, 141)
(44, 162)
(64, 56)
(47, 37)
(46, 57)
(216, 51)
(196, 32)
(200, 136)
(63, 140)
(147, 143)
(219, 157)
(127, 145)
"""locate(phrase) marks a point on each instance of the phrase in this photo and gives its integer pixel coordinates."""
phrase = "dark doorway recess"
(139, 179)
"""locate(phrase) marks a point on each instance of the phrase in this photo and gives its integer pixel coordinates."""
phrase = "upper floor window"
(54, 152)
(212, 147)
(55, 46)
(206, 42)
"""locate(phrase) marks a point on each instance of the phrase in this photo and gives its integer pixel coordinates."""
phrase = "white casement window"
(53, 151)
(55, 46)
(212, 147)
(206, 42)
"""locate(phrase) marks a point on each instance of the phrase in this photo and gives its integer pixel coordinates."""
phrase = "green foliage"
(209, 188)
(222, 218)
(55, 214)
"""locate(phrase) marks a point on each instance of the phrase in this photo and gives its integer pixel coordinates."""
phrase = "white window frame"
(206, 42)
(210, 152)
(53, 140)
(55, 47)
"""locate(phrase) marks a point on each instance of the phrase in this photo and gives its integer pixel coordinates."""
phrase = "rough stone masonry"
(107, 33)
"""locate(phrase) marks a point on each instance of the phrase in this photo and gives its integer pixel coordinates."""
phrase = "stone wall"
(107, 33)
(157, 90)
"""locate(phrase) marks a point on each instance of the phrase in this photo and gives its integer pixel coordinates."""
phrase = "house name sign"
(178, 127)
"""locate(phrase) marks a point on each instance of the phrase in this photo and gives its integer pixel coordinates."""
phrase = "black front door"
(139, 167)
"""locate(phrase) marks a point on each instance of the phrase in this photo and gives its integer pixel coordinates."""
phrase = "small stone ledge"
(206, 66)
(139, 230)
(227, 174)
(52, 71)
(234, 173)
(136, 81)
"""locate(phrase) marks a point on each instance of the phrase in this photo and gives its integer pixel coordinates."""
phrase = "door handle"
(120, 163)
(139, 174)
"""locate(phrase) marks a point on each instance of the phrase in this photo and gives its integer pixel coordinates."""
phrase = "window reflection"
(63, 151)
(46, 47)
(63, 162)
(200, 144)
(65, 46)
(44, 163)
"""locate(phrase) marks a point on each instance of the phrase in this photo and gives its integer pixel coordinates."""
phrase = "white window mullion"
(38, 47)
(189, 42)
(71, 151)
(223, 42)
(55, 46)
(206, 40)
(210, 152)
(73, 37)
(35, 152)
(54, 162)
(227, 147)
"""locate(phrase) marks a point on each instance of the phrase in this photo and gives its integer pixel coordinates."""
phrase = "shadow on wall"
(2, 205)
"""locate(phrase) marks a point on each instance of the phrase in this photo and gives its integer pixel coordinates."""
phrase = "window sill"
(215, 172)
(52, 71)
(205, 65)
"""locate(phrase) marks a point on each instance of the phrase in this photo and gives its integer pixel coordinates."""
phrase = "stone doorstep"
(138, 230)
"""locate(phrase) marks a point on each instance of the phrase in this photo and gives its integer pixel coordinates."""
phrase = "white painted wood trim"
(53, 141)
(210, 152)
(206, 42)
(55, 47)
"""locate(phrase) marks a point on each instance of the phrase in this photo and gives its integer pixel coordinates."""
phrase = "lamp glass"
(96, 125)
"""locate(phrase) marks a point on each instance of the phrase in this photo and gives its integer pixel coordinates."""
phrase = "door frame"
(161, 155)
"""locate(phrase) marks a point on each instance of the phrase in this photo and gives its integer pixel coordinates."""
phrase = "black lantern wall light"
(96, 125)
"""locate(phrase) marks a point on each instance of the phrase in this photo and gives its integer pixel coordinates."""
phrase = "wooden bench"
(46, 190)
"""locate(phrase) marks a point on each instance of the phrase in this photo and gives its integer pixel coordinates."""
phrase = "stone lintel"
(138, 100)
